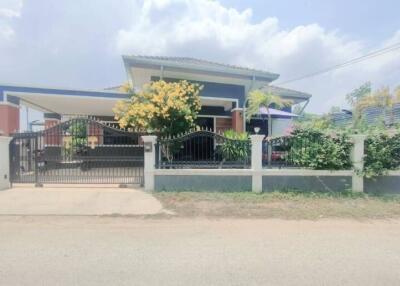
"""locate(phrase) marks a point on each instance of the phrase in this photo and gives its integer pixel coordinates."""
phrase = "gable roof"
(200, 65)
(285, 92)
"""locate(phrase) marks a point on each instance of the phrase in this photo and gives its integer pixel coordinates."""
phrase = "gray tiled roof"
(188, 60)
(285, 92)
(185, 61)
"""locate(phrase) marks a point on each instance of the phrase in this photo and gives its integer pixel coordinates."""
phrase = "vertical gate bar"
(269, 153)
(11, 157)
(35, 154)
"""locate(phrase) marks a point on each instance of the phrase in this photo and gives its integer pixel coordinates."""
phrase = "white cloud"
(206, 29)
(9, 9)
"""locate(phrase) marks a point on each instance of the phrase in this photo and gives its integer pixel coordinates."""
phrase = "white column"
(256, 162)
(4, 162)
(357, 157)
(149, 161)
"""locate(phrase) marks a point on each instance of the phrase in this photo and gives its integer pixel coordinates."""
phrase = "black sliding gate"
(80, 151)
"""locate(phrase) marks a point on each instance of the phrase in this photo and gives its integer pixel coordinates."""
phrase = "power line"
(347, 63)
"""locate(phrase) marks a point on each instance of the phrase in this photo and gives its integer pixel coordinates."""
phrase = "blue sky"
(79, 44)
(367, 20)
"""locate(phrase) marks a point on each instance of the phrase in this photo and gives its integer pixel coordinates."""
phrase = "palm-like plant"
(258, 99)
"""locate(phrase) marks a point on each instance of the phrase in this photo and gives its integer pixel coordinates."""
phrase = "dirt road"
(129, 251)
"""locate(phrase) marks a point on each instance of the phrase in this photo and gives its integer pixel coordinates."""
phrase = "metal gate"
(80, 151)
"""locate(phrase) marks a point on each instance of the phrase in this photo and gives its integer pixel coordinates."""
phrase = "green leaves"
(382, 153)
(315, 150)
(236, 147)
(359, 93)
(259, 98)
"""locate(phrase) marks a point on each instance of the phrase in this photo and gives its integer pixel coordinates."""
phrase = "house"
(225, 88)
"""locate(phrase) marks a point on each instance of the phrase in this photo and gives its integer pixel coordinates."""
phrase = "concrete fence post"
(256, 162)
(4, 162)
(357, 158)
(149, 143)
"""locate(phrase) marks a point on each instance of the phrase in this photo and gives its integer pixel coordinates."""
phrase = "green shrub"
(382, 153)
(236, 147)
(313, 149)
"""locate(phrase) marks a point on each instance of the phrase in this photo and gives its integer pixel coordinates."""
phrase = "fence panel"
(203, 149)
(282, 151)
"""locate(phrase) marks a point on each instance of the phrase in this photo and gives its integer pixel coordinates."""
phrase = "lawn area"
(283, 205)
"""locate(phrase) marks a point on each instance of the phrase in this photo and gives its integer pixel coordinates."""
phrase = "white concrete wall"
(280, 126)
(4, 163)
(257, 173)
(262, 180)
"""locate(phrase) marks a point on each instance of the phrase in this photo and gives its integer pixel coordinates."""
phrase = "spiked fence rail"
(80, 150)
(308, 149)
(202, 148)
(280, 151)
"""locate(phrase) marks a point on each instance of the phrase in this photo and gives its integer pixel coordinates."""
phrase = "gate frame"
(61, 127)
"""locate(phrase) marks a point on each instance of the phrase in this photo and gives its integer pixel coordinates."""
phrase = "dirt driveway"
(77, 200)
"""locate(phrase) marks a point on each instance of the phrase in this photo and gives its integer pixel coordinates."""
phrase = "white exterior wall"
(280, 126)
(140, 77)
(4, 163)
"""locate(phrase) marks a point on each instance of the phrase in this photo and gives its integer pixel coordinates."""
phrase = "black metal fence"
(283, 151)
(80, 150)
(202, 149)
(309, 149)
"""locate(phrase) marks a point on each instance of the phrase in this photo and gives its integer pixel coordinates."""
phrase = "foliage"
(382, 153)
(397, 94)
(126, 87)
(78, 138)
(312, 121)
(78, 130)
(359, 93)
(379, 98)
(168, 108)
(364, 97)
(236, 147)
(361, 100)
(313, 149)
(259, 98)
(335, 109)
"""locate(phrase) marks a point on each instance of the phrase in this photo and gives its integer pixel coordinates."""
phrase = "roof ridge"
(194, 60)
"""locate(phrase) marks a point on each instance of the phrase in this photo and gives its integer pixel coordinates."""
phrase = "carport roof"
(76, 102)
(58, 100)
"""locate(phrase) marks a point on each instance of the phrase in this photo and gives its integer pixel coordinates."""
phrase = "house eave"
(195, 68)
(288, 93)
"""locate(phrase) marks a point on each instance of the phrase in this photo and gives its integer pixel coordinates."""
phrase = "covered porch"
(54, 105)
(282, 122)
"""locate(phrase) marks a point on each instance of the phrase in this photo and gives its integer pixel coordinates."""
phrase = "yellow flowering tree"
(168, 108)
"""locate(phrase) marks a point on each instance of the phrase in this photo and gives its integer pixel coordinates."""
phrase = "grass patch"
(289, 204)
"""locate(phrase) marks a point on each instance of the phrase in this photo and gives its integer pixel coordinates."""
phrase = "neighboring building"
(223, 96)
(341, 118)
(389, 116)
